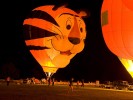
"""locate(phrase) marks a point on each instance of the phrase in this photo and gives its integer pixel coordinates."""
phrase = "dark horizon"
(95, 62)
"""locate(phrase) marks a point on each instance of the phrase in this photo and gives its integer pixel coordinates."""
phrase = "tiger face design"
(54, 35)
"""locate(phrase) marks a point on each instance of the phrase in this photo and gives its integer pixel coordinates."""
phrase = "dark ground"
(60, 92)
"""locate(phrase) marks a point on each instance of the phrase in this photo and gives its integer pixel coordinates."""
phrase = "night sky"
(95, 62)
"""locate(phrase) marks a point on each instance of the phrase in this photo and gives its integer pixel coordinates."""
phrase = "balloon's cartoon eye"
(68, 24)
(68, 27)
(81, 29)
(81, 26)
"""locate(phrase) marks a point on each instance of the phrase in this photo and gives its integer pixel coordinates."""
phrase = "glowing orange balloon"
(117, 30)
(117, 26)
(54, 36)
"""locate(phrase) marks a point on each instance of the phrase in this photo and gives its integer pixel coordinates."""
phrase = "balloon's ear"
(83, 13)
(60, 6)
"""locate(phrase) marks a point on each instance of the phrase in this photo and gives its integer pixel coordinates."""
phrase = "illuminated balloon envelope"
(117, 29)
(54, 35)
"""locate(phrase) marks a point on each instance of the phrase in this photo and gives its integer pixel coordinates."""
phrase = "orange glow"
(128, 4)
(117, 23)
(49, 64)
(128, 64)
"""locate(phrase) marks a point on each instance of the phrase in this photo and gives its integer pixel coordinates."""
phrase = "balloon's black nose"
(74, 40)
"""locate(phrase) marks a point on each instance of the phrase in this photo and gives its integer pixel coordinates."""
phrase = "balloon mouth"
(128, 64)
(65, 52)
(49, 74)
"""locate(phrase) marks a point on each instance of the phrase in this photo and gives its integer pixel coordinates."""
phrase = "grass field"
(60, 92)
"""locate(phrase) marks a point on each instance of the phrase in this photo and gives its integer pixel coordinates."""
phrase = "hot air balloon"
(117, 22)
(54, 35)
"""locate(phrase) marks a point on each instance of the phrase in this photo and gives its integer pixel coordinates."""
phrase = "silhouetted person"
(82, 83)
(78, 83)
(53, 82)
(8, 80)
(49, 81)
(71, 84)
